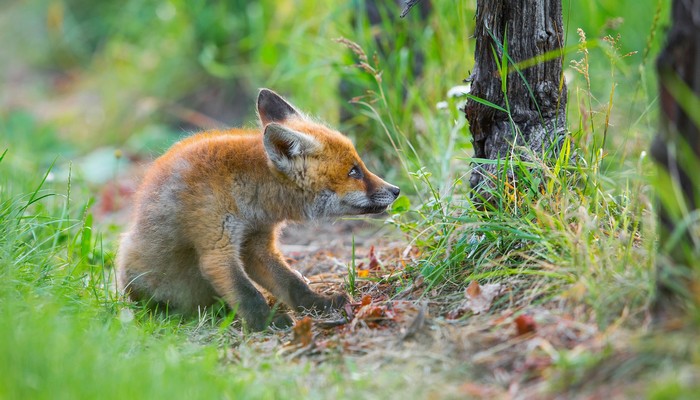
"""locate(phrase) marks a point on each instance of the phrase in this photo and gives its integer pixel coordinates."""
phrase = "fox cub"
(209, 211)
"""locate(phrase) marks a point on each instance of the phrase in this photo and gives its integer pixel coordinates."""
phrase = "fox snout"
(385, 195)
(373, 202)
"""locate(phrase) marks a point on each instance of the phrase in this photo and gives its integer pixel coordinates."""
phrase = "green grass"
(577, 233)
(64, 333)
(578, 226)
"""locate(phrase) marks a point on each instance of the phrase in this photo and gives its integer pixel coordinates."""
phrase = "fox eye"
(355, 173)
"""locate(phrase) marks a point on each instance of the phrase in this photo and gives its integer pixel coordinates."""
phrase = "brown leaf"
(302, 332)
(370, 312)
(525, 324)
(374, 262)
(480, 297)
(456, 313)
(473, 289)
(417, 323)
(366, 300)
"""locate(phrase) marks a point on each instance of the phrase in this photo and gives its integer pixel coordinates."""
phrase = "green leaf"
(486, 103)
(86, 237)
(504, 62)
(401, 205)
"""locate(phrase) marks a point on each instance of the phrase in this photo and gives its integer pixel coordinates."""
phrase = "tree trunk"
(536, 103)
(677, 149)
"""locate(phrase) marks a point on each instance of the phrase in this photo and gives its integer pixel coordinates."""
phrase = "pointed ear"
(273, 108)
(282, 145)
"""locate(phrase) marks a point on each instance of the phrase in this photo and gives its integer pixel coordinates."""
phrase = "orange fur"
(209, 210)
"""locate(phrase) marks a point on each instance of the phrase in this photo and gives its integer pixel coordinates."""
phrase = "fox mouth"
(373, 209)
(356, 203)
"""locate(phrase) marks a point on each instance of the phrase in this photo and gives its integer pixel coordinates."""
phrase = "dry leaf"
(480, 297)
(417, 322)
(302, 332)
(473, 290)
(525, 324)
(366, 300)
(374, 262)
(371, 313)
(456, 313)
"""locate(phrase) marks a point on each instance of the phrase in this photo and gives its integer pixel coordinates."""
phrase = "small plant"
(351, 279)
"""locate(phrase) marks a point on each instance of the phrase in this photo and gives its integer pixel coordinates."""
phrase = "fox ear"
(273, 108)
(282, 145)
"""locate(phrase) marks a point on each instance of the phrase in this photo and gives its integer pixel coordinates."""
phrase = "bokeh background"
(81, 79)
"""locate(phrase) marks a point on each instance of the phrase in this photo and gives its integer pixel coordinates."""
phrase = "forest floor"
(478, 342)
(474, 335)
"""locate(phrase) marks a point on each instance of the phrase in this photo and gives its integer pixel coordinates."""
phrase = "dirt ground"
(506, 352)
(479, 341)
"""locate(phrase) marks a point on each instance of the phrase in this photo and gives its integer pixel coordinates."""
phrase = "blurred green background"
(76, 75)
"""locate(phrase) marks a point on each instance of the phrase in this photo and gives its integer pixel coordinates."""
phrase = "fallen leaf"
(473, 289)
(480, 297)
(455, 314)
(113, 197)
(525, 324)
(371, 312)
(302, 332)
(362, 273)
(374, 262)
(366, 300)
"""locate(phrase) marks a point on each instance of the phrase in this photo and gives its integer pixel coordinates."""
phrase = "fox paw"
(338, 301)
(324, 303)
(281, 321)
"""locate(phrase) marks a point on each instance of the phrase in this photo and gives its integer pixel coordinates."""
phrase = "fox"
(208, 214)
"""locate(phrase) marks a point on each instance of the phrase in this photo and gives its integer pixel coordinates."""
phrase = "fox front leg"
(224, 271)
(265, 265)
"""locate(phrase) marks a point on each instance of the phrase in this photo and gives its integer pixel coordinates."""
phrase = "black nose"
(395, 190)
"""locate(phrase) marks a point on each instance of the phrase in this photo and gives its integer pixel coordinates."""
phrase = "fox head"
(320, 161)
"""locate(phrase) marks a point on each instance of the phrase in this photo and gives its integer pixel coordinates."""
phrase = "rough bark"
(676, 149)
(533, 28)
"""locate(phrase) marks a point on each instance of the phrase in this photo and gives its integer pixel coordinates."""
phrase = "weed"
(350, 280)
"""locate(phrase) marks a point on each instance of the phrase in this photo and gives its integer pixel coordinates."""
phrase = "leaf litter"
(472, 347)
(501, 350)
